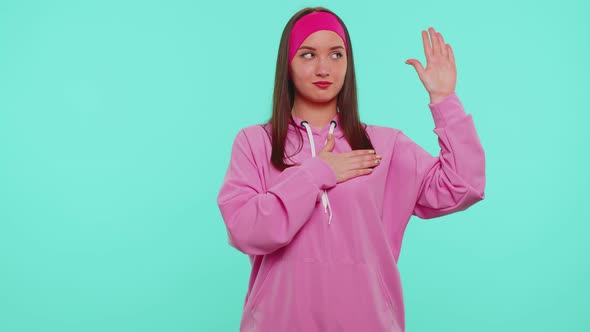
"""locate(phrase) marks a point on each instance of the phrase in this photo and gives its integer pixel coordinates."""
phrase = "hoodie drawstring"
(325, 200)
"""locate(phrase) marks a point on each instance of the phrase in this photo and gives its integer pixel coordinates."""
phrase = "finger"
(426, 43)
(451, 55)
(360, 152)
(329, 138)
(329, 143)
(417, 65)
(444, 51)
(435, 42)
(363, 164)
(370, 158)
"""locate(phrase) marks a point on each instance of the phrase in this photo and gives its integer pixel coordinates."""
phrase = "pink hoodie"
(314, 273)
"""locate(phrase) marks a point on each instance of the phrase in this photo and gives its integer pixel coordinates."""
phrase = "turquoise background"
(116, 124)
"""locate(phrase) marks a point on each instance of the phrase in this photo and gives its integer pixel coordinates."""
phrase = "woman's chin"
(322, 99)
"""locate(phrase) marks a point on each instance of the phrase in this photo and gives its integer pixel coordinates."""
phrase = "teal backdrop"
(116, 124)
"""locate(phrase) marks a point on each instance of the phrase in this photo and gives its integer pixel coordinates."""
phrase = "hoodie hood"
(337, 131)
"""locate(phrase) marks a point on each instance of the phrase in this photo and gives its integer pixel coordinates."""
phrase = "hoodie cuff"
(321, 172)
(447, 110)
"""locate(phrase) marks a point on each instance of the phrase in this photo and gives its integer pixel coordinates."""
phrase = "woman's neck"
(318, 115)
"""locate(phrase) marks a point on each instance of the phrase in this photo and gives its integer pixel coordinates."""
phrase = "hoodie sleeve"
(260, 221)
(454, 180)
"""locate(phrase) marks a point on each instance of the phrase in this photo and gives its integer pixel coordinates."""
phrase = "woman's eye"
(337, 53)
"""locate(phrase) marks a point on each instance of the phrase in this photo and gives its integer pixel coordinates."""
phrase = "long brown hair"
(284, 95)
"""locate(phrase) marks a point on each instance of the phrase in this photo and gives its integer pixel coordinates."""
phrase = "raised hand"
(440, 76)
(347, 165)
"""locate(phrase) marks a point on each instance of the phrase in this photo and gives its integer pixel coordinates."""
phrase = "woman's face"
(321, 57)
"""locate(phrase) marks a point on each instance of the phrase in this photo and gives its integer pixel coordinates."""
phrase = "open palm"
(440, 76)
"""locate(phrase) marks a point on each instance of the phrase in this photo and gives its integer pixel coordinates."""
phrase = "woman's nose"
(323, 67)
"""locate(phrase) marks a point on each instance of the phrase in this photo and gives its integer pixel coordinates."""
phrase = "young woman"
(320, 201)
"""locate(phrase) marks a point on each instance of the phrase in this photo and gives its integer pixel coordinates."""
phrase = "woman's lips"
(322, 85)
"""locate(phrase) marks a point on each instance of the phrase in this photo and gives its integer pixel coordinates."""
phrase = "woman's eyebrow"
(313, 49)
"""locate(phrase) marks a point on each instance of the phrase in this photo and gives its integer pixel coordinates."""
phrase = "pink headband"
(311, 23)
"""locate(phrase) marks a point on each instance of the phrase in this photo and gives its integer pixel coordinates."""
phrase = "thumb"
(329, 144)
(417, 65)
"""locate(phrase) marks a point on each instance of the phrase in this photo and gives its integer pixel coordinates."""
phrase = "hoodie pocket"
(322, 296)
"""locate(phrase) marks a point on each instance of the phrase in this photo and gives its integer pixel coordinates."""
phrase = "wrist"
(435, 98)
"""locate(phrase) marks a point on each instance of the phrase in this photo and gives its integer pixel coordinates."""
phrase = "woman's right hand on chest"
(347, 165)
